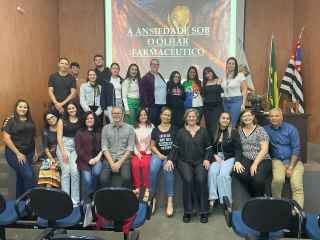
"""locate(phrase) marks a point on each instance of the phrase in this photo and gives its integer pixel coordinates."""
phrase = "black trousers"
(211, 115)
(194, 178)
(124, 174)
(177, 117)
(256, 185)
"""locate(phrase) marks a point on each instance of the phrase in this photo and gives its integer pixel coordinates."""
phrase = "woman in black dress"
(212, 100)
(191, 153)
(175, 98)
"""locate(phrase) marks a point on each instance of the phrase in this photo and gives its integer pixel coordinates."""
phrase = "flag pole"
(301, 32)
(268, 76)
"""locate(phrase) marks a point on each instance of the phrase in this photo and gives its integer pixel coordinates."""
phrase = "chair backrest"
(50, 204)
(2, 204)
(267, 214)
(116, 204)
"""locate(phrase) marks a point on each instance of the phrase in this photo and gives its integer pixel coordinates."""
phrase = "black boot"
(203, 218)
(186, 218)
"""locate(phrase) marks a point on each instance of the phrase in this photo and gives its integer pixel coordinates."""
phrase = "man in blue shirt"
(285, 153)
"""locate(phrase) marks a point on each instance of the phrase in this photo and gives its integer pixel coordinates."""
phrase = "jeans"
(107, 174)
(89, 179)
(296, 180)
(155, 166)
(24, 173)
(232, 105)
(155, 114)
(69, 170)
(219, 180)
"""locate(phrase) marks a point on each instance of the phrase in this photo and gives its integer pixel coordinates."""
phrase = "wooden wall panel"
(262, 18)
(29, 51)
(81, 31)
(306, 14)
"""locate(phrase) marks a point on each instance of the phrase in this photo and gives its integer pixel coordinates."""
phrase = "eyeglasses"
(50, 118)
(116, 113)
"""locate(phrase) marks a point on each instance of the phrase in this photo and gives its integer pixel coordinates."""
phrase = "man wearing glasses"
(117, 144)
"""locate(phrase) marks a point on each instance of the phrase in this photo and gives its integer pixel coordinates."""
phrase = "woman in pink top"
(142, 153)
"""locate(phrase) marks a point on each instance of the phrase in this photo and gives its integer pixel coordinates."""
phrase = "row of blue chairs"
(271, 218)
(52, 210)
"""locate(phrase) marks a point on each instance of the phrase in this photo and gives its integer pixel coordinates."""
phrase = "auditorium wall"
(33, 45)
(81, 31)
(285, 19)
(29, 50)
(306, 13)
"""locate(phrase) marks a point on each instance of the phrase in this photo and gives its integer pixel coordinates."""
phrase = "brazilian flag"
(273, 90)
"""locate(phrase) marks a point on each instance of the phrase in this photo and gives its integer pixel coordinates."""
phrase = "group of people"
(134, 127)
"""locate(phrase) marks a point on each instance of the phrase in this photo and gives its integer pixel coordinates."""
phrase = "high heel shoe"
(146, 195)
(169, 210)
(137, 192)
(153, 211)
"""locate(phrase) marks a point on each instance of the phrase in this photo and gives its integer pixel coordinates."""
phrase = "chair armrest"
(298, 209)
(301, 218)
(22, 201)
(227, 210)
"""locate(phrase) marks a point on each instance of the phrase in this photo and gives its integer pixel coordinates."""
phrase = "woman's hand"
(243, 107)
(162, 157)
(92, 161)
(206, 164)
(35, 157)
(52, 160)
(253, 169)
(168, 166)
(65, 157)
(21, 158)
(217, 158)
(138, 154)
(238, 167)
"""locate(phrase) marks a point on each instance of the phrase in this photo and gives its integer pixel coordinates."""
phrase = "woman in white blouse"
(111, 93)
(130, 93)
(235, 90)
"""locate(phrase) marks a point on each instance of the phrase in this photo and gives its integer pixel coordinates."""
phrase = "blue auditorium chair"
(54, 211)
(312, 226)
(265, 218)
(10, 211)
(119, 204)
